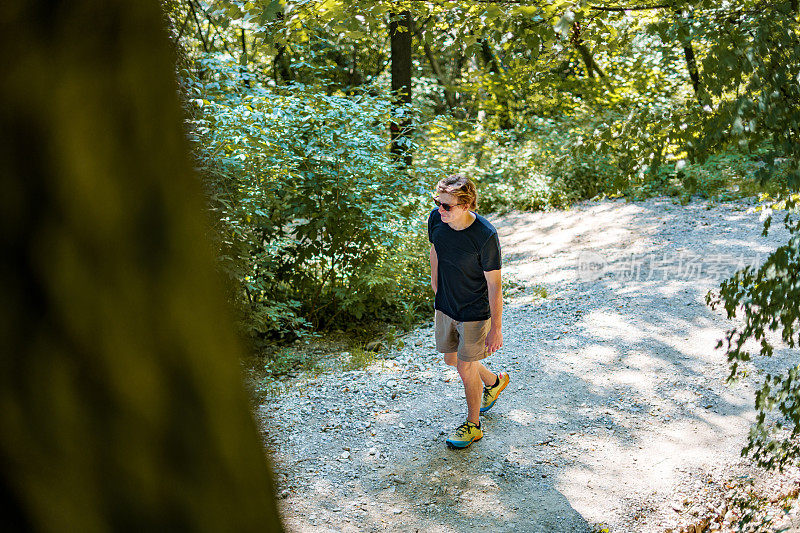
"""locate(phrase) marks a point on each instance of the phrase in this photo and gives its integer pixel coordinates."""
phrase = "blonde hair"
(462, 188)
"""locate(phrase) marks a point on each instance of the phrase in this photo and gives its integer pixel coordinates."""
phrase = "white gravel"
(617, 413)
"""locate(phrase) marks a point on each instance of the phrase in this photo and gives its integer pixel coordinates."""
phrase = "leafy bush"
(531, 168)
(314, 219)
(552, 164)
(768, 298)
(725, 176)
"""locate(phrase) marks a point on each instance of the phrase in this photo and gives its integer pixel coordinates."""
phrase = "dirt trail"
(617, 412)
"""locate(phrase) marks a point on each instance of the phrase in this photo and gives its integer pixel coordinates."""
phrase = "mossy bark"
(121, 399)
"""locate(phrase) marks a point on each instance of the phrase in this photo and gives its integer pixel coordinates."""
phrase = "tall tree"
(498, 84)
(121, 394)
(688, 53)
(588, 60)
(438, 72)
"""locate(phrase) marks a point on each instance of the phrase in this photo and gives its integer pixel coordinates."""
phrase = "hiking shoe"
(464, 435)
(490, 394)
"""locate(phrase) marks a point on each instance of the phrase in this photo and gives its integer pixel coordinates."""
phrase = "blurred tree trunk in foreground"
(121, 402)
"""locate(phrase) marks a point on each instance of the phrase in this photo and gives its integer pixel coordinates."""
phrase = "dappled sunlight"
(637, 393)
(616, 392)
(481, 501)
(533, 271)
(389, 419)
(317, 132)
(561, 232)
(601, 354)
(526, 418)
(633, 378)
(609, 325)
(598, 355)
(610, 471)
(550, 417)
(755, 246)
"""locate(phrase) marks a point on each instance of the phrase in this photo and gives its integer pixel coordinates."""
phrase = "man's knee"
(466, 368)
(450, 359)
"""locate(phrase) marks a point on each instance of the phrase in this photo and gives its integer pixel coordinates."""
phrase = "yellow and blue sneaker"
(464, 435)
(490, 394)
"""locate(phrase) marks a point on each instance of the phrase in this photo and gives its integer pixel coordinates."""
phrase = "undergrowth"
(528, 169)
(538, 167)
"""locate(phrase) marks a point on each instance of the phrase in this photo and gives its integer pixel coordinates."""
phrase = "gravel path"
(617, 415)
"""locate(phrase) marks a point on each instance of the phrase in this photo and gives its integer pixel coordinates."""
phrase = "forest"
(321, 127)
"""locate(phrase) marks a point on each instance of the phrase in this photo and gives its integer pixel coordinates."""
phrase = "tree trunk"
(458, 64)
(282, 66)
(243, 61)
(400, 36)
(588, 61)
(449, 97)
(199, 28)
(691, 61)
(123, 407)
(691, 65)
(498, 85)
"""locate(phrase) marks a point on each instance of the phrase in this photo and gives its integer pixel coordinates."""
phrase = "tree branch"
(183, 27)
(691, 61)
(437, 71)
(588, 60)
(629, 8)
(199, 28)
(212, 24)
(498, 85)
(243, 61)
(532, 4)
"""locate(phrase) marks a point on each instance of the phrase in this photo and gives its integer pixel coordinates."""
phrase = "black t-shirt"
(462, 293)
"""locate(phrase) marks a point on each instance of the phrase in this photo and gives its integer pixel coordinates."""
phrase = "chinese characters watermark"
(683, 266)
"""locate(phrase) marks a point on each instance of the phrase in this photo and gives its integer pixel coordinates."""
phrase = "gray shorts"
(468, 339)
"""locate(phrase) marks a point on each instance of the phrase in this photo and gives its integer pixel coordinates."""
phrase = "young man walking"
(465, 276)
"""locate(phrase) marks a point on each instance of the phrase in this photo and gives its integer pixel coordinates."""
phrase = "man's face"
(450, 200)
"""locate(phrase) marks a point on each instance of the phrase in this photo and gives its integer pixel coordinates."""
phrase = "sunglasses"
(446, 207)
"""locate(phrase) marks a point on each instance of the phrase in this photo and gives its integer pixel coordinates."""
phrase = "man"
(465, 276)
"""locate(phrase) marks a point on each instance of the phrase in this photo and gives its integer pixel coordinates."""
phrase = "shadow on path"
(617, 392)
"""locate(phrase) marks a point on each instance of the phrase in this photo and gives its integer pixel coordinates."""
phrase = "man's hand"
(494, 340)
(434, 269)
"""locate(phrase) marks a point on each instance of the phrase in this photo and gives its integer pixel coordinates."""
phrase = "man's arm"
(494, 340)
(434, 269)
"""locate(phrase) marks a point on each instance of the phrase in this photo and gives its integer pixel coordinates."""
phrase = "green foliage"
(313, 218)
(543, 105)
(746, 99)
(358, 359)
(545, 166)
(721, 177)
(752, 73)
(286, 360)
(768, 299)
(530, 169)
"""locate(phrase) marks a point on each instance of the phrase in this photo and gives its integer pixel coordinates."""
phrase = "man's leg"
(473, 388)
(488, 377)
